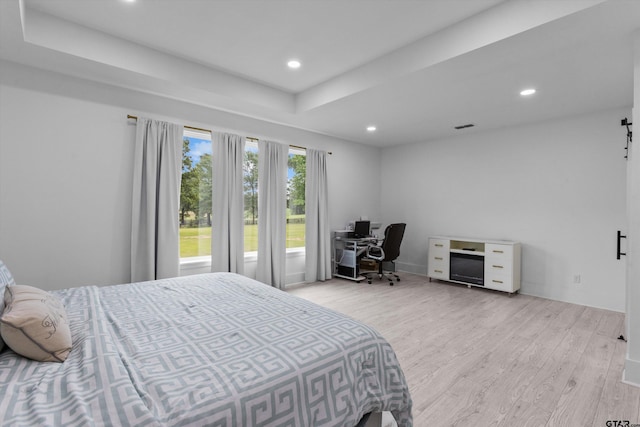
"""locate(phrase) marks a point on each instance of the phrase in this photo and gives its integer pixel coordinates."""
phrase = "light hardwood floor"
(474, 357)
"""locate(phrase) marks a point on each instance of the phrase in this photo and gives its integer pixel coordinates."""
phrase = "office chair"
(387, 252)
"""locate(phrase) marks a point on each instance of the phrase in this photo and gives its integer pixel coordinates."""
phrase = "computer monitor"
(362, 229)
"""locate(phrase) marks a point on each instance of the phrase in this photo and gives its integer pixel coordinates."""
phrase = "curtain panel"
(227, 231)
(157, 172)
(317, 229)
(272, 212)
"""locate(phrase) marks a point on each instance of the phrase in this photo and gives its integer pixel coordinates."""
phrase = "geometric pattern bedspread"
(214, 349)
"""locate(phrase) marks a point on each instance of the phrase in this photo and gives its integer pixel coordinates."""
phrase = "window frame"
(203, 261)
(204, 136)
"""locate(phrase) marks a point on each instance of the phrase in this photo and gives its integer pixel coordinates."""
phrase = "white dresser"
(492, 264)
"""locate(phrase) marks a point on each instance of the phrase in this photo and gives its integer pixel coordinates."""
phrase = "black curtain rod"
(129, 116)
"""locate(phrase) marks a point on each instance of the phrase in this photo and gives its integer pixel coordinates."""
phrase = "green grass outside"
(197, 241)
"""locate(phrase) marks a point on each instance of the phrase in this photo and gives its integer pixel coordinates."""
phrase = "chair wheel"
(390, 283)
(369, 281)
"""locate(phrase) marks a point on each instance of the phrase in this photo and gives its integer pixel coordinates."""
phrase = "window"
(296, 198)
(195, 195)
(250, 171)
(296, 174)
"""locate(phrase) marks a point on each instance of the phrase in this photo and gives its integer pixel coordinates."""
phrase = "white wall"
(558, 187)
(65, 173)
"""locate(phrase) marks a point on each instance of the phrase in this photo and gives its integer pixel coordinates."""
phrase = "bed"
(214, 349)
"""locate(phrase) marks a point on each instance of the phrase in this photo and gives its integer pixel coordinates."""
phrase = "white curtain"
(227, 231)
(272, 205)
(155, 244)
(317, 230)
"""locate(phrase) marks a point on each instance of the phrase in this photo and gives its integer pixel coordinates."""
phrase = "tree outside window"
(296, 198)
(195, 195)
(196, 204)
(250, 173)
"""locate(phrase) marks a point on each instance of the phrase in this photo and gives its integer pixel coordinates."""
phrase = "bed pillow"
(34, 324)
(5, 279)
(5, 275)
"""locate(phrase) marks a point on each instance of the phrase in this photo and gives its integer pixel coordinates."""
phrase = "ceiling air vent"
(470, 125)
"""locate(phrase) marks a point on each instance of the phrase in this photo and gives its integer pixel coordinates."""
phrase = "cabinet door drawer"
(439, 259)
(493, 267)
(438, 246)
(438, 272)
(499, 253)
(438, 268)
(498, 277)
(500, 283)
(496, 249)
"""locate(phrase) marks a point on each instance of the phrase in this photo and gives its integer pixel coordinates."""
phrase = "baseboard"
(631, 373)
(294, 278)
(411, 268)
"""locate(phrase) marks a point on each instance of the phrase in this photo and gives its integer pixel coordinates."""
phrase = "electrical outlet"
(576, 279)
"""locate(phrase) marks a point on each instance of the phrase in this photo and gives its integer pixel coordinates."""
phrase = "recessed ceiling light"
(294, 63)
(528, 92)
(371, 128)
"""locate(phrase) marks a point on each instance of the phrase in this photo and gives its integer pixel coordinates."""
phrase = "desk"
(347, 252)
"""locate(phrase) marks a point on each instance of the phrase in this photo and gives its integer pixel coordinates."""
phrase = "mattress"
(215, 349)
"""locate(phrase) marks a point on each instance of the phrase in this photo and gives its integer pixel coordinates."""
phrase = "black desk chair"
(388, 252)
